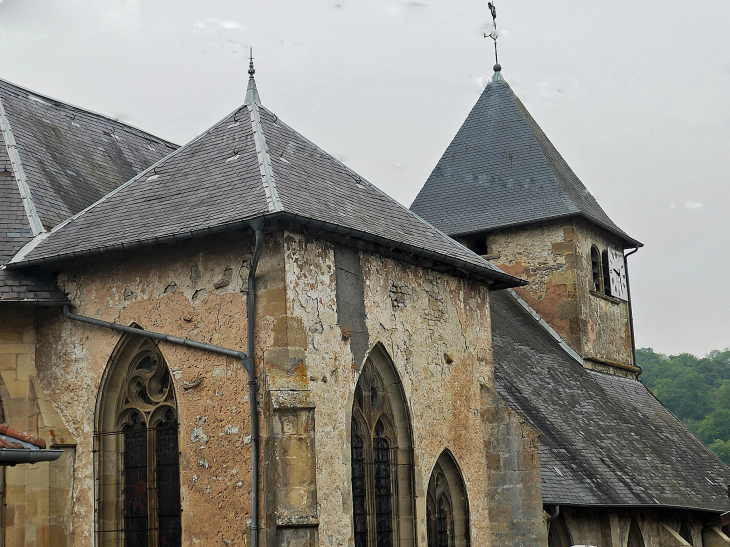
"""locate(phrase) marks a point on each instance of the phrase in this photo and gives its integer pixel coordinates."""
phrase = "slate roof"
(15, 231)
(604, 439)
(248, 165)
(501, 170)
(62, 159)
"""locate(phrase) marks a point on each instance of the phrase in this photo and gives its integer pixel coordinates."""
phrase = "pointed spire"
(252, 94)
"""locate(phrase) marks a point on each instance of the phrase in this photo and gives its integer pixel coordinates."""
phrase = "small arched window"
(606, 273)
(447, 507)
(381, 458)
(596, 268)
(138, 470)
(635, 537)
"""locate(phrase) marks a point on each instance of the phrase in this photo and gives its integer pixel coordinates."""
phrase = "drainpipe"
(258, 226)
(556, 513)
(631, 313)
(248, 363)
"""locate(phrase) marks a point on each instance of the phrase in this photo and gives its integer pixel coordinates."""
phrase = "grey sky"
(634, 95)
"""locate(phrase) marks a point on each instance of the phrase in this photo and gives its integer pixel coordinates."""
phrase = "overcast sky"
(635, 95)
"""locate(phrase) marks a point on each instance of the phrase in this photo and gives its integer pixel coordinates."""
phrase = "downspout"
(258, 226)
(248, 363)
(631, 313)
(556, 513)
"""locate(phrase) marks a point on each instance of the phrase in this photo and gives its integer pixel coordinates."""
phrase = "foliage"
(696, 390)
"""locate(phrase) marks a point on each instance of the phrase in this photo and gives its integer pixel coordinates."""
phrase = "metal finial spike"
(251, 70)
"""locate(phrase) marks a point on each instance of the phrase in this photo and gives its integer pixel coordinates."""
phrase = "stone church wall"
(436, 329)
(555, 257)
(545, 255)
(191, 290)
(321, 309)
(36, 498)
(605, 320)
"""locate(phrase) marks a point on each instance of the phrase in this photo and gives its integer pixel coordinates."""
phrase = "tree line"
(696, 390)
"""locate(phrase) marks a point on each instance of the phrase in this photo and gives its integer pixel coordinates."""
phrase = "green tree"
(696, 390)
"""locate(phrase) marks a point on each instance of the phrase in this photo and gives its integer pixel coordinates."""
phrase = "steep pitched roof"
(248, 165)
(501, 170)
(55, 160)
(72, 157)
(604, 439)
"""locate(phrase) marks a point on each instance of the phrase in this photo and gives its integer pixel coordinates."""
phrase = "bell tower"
(504, 191)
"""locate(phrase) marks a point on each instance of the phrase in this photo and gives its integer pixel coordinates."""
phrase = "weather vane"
(493, 35)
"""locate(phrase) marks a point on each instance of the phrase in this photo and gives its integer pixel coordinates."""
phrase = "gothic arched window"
(382, 462)
(447, 507)
(137, 467)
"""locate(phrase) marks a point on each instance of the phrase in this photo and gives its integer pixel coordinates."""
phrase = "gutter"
(488, 271)
(12, 456)
(246, 361)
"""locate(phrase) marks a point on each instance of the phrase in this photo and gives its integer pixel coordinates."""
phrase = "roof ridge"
(58, 103)
(25, 195)
(262, 153)
(33, 243)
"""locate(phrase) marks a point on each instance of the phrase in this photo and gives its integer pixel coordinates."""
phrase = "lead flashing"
(536, 316)
(33, 219)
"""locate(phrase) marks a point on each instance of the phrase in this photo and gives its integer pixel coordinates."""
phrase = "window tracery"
(381, 461)
(138, 475)
(447, 507)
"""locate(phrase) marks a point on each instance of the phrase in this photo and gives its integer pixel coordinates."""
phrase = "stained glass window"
(374, 466)
(447, 509)
(137, 442)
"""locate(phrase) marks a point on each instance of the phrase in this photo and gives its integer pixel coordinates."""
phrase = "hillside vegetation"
(696, 390)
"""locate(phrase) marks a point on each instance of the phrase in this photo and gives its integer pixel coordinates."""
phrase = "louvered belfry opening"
(596, 268)
(137, 467)
(606, 273)
(381, 458)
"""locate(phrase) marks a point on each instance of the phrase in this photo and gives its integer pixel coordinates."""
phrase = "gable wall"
(437, 331)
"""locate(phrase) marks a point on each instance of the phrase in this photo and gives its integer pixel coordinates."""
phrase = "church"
(242, 342)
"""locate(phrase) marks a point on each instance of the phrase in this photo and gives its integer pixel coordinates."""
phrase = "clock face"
(617, 274)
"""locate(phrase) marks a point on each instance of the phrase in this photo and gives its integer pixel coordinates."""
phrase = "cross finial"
(251, 70)
(493, 35)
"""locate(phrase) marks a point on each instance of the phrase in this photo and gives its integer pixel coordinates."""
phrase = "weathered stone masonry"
(555, 257)
(311, 341)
